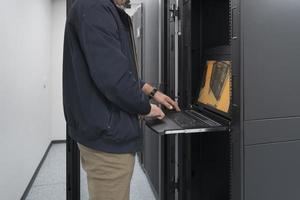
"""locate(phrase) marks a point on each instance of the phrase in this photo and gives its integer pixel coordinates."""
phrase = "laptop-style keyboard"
(186, 121)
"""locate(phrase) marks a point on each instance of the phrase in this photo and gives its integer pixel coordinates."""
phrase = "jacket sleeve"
(109, 67)
(142, 83)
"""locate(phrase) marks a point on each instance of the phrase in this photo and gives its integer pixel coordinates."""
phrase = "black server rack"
(186, 170)
(260, 152)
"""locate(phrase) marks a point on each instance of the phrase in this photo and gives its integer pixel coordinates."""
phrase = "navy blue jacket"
(102, 95)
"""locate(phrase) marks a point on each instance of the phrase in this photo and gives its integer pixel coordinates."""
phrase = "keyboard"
(185, 120)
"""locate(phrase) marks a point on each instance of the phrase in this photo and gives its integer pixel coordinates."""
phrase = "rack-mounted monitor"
(216, 86)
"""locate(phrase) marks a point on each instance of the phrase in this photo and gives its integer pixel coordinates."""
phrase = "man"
(103, 96)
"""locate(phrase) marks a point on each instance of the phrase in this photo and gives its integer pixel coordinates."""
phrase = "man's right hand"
(156, 112)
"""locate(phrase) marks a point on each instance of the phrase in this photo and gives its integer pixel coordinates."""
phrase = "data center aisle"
(50, 183)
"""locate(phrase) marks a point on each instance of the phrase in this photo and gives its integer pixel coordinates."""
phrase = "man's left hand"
(166, 101)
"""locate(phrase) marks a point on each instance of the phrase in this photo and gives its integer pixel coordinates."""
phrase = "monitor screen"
(216, 88)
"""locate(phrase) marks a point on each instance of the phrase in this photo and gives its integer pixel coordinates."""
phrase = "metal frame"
(73, 170)
(163, 62)
(177, 147)
(170, 155)
(73, 159)
(237, 155)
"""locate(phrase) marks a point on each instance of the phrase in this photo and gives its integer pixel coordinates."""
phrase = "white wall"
(25, 41)
(58, 24)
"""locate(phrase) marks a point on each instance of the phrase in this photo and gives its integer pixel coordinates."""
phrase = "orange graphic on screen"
(216, 90)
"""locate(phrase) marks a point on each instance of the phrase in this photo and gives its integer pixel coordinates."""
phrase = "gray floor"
(50, 183)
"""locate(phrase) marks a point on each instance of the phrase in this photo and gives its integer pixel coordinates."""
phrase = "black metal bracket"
(174, 12)
(73, 170)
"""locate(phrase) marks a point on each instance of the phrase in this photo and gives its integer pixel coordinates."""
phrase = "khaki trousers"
(109, 175)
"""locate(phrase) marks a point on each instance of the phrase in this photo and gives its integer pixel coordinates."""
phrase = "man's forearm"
(160, 97)
(147, 89)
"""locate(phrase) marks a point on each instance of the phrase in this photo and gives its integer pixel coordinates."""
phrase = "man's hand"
(166, 101)
(156, 112)
(161, 98)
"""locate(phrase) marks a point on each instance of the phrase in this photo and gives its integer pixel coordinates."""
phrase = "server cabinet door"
(272, 171)
(271, 58)
(271, 44)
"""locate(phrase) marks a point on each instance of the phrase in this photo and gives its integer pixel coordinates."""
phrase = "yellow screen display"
(216, 90)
